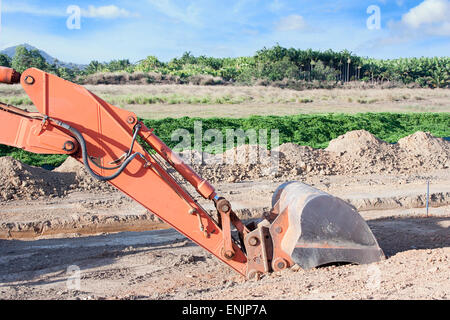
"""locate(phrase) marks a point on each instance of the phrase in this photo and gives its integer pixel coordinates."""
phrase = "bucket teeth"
(319, 229)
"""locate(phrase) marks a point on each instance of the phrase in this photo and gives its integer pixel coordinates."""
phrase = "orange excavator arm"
(74, 121)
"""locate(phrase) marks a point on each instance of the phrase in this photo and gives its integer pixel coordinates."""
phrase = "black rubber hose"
(136, 131)
(86, 159)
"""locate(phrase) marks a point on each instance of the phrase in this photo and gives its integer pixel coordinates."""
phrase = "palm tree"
(348, 69)
(312, 67)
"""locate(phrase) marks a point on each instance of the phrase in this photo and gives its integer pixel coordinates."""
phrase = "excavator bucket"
(313, 228)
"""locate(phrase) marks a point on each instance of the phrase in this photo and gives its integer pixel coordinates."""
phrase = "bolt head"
(131, 120)
(253, 241)
(29, 80)
(254, 275)
(228, 254)
(68, 146)
(279, 264)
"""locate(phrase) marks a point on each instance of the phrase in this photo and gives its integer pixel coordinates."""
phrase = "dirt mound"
(82, 180)
(251, 162)
(357, 143)
(356, 152)
(20, 181)
(361, 152)
(246, 162)
(424, 144)
(429, 150)
(305, 160)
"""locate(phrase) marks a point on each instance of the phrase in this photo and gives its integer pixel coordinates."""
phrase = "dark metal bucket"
(323, 229)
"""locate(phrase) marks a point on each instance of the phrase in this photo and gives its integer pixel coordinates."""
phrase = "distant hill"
(11, 51)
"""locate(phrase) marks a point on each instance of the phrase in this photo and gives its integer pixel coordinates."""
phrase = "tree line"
(268, 64)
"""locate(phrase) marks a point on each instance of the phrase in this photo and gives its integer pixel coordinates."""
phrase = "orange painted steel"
(19, 129)
(107, 131)
(201, 185)
(9, 76)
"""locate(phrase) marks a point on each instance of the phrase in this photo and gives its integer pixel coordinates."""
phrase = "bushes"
(268, 64)
(24, 59)
(316, 130)
(278, 64)
(205, 80)
(5, 61)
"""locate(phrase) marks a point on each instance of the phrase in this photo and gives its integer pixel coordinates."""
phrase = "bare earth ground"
(42, 240)
(50, 222)
(164, 265)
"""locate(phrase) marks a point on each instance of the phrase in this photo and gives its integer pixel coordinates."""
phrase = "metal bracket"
(258, 244)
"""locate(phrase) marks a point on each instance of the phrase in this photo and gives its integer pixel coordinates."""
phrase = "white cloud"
(20, 7)
(276, 5)
(104, 12)
(291, 23)
(107, 12)
(190, 15)
(430, 16)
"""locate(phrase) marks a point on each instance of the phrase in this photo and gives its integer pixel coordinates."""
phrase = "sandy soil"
(161, 265)
(58, 236)
(55, 223)
(84, 212)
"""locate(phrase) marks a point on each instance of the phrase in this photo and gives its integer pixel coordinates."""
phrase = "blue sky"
(116, 29)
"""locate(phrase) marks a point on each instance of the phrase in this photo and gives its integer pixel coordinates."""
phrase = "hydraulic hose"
(82, 142)
(125, 155)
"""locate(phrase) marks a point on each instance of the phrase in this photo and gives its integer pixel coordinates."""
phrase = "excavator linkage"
(306, 226)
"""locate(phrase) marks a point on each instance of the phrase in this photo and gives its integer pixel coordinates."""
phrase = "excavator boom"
(74, 121)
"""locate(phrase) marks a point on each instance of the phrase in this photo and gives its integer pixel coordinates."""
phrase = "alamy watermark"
(374, 20)
(207, 147)
(74, 20)
(74, 279)
(374, 277)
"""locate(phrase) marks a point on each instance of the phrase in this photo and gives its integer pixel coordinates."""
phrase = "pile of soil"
(250, 162)
(423, 144)
(20, 181)
(356, 152)
(246, 162)
(363, 153)
(82, 180)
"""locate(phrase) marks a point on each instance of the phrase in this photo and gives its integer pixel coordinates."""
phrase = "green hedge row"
(316, 130)
(312, 130)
